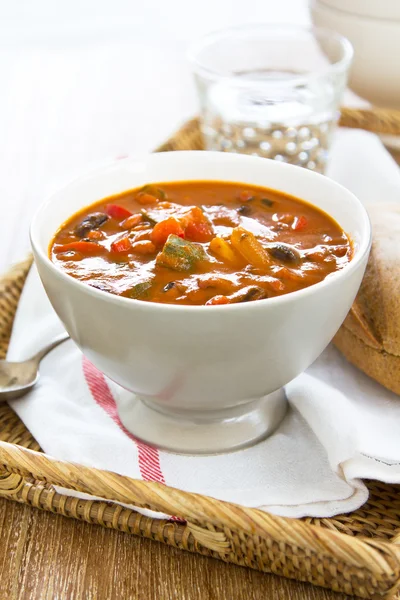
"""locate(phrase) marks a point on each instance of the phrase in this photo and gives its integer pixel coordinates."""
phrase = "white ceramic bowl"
(200, 374)
(373, 28)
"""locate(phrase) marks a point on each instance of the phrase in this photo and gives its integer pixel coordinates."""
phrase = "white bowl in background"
(203, 378)
(373, 28)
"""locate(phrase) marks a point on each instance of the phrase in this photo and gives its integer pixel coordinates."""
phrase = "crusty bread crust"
(379, 365)
(370, 335)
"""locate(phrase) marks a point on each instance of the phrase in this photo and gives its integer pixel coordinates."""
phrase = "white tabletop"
(88, 80)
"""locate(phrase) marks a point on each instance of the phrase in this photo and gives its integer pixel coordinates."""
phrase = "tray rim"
(204, 516)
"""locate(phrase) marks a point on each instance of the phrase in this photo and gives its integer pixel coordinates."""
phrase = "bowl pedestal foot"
(212, 432)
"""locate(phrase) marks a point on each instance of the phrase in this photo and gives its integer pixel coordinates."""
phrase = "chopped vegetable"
(250, 248)
(95, 234)
(180, 255)
(162, 230)
(153, 191)
(144, 198)
(121, 245)
(196, 225)
(132, 221)
(90, 222)
(246, 196)
(143, 247)
(216, 300)
(267, 202)
(115, 211)
(81, 246)
(140, 290)
(223, 250)
(299, 223)
(199, 232)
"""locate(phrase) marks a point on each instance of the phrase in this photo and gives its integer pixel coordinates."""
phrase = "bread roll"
(370, 336)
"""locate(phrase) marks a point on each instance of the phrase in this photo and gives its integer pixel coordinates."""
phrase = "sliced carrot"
(122, 245)
(118, 212)
(83, 247)
(164, 229)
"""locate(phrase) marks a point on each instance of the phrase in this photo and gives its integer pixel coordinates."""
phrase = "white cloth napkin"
(341, 426)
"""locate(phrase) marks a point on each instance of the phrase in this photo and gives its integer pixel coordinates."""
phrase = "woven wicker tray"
(356, 553)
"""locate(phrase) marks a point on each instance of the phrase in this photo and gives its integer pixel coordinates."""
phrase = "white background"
(87, 80)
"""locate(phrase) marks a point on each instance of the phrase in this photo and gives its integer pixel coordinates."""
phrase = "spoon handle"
(58, 340)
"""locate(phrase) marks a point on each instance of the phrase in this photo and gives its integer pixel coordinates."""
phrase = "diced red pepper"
(199, 232)
(122, 245)
(164, 229)
(299, 223)
(83, 247)
(115, 211)
(196, 225)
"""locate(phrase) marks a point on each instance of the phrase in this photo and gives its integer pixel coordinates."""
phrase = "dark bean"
(244, 210)
(284, 252)
(267, 201)
(90, 222)
(169, 286)
(99, 286)
(252, 292)
(248, 294)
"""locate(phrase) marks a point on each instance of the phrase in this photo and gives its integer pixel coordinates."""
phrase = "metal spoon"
(17, 378)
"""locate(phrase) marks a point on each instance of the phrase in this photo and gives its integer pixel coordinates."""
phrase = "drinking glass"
(271, 91)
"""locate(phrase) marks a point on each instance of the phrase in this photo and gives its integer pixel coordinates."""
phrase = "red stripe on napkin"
(148, 457)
